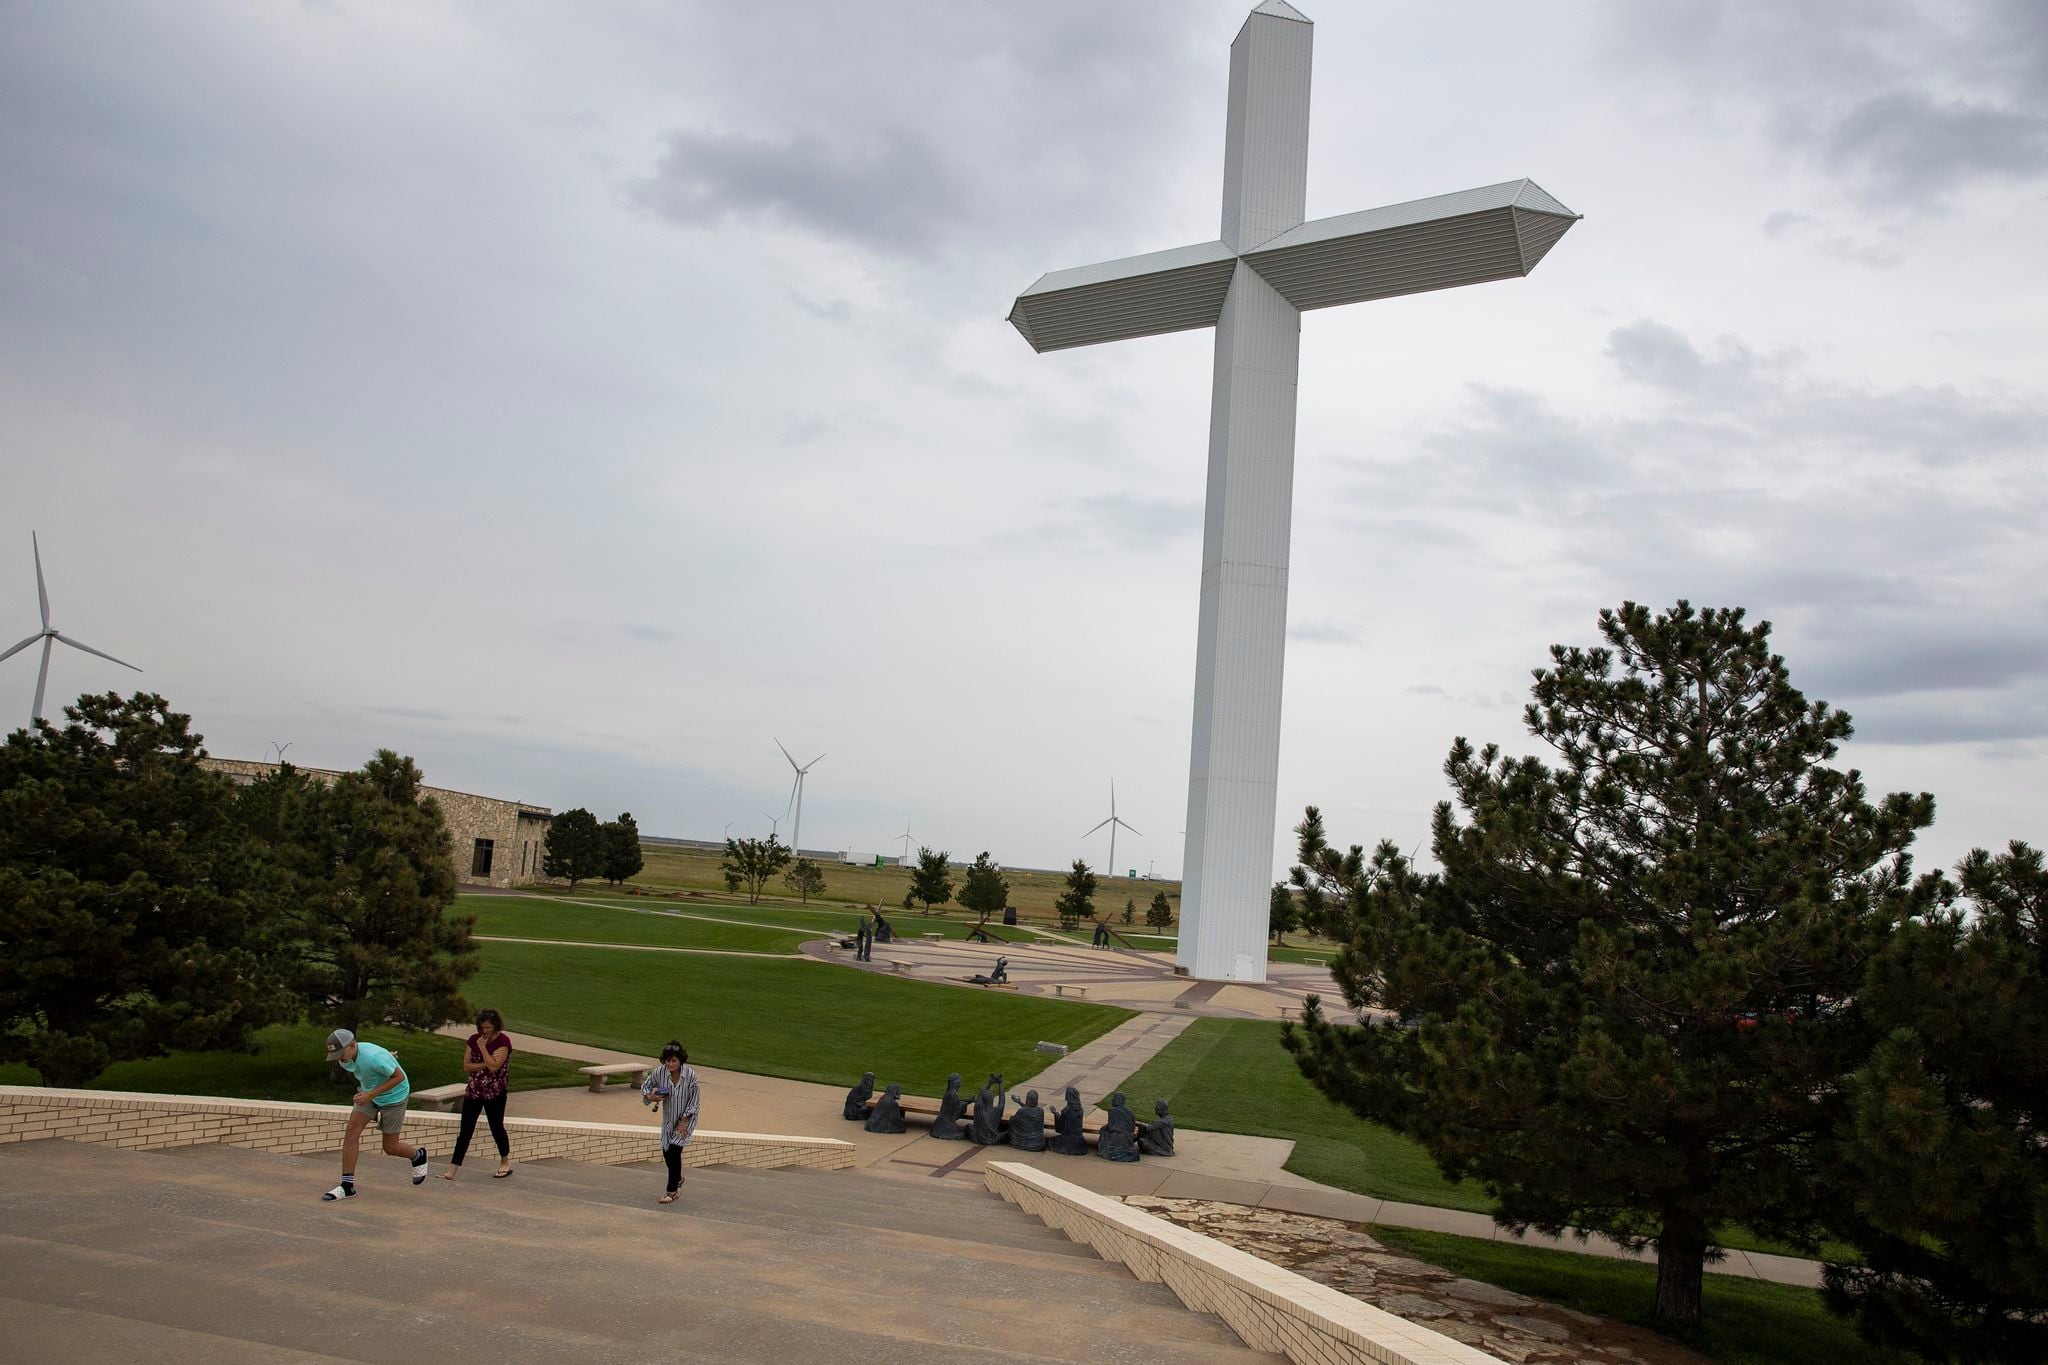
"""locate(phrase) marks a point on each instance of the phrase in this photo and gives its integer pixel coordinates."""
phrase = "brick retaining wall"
(149, 1122)
(1270, 1308)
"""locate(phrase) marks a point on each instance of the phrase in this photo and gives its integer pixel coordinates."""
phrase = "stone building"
(494, 842)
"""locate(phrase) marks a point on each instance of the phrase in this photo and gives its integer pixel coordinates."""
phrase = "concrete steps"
(215, 1254)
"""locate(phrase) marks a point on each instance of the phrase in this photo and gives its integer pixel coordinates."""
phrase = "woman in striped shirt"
(672, 1089)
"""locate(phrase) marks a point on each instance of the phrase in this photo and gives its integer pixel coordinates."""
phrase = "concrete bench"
(442, 1097)
(636, 1072)
(1060, 988)
(933, 938)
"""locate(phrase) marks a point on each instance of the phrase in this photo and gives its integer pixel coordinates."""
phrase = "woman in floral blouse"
(488, 1062)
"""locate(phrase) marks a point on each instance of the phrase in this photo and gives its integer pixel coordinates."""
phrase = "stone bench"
(933, 938)
(637, 1072)
(441, 1098)
(1061, 988)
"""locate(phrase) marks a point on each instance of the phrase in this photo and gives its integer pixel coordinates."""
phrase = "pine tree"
(622, 856)
(985, 891)
(1281, 913)
(1621, 982)
(932, 880)
(1130, 910)
(749, 863)
(134, 915)
(1945, 1173)
(1077, 902)
(371, 882)
(1159, 914)
(805, 878)
(576, 847)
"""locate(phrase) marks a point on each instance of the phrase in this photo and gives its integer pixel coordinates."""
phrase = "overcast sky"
(577, 397)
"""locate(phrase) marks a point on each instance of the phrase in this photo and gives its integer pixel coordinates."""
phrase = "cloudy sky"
(577, 397)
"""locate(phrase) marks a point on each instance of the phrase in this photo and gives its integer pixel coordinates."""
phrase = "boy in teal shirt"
(381, 1088)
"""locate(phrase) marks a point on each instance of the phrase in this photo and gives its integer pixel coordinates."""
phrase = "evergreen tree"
(371, 881)
(1621, 981)
(134, 918)
(1281, 913)
(1945, 1171)
(1130, 911)
(985, 891)
(932, 881)
(749, 863)
(1159, 914)
(576, 847)
(622, 857)
(1077, 902)
(805, 878)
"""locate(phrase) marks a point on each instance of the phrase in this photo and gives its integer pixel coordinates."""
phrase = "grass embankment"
(530, 917)
(1033, 893)
(1232, 1076)
(778, 1017)
(1742, 1322)
(290, 1063)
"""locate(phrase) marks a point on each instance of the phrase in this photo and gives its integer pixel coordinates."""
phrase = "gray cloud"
(1323, 633)
(1134, 520)
(889, 190)
(1904, 102)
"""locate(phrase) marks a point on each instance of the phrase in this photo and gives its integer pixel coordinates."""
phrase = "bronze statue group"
(981, 1120)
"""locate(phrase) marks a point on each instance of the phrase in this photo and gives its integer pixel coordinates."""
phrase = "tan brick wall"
(518, 831)
(148, 1122)
(1270, 1308)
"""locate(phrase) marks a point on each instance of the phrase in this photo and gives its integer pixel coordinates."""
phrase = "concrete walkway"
(1225, 1167)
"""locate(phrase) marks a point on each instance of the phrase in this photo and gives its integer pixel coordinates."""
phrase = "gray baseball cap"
(336, 1041)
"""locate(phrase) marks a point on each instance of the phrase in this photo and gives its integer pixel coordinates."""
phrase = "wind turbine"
(905, 837)
(50, 635)
(1113, 822)
(796, 830)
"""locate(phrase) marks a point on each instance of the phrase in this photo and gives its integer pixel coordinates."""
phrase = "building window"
(523, 846)
(480, 861)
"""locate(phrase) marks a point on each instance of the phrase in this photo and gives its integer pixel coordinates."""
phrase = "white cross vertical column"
(1241, 643)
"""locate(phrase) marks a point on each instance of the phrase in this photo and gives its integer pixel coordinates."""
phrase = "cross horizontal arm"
(1138, 296)
(1495, 232)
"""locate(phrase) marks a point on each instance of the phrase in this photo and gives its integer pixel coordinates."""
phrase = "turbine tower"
(1113, 822)
(796, 830)
(50, 635)
(905, 837)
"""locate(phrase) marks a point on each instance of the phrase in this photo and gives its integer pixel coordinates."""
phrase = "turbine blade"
(1098, 826)
(814, 762)
(102, 653)
(1131, 827)
(42, 677)
(23, 645)
(42, 594)
(785, 753)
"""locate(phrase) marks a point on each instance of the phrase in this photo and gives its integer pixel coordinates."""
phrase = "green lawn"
(528, 917)
(1742, 1322)
(290, 1064)
(814, 921)
(779, 1017)
(1230, 1076)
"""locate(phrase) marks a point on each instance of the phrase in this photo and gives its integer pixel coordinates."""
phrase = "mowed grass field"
(779, 1016)
(290, 1063)
(1742, 1322)
(1033, 893)
(534, 917)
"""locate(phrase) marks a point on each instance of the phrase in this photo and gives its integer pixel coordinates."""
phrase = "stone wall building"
(494, 842)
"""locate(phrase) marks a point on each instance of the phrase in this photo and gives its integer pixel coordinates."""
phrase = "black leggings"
(494, 1110)
(674, 1157)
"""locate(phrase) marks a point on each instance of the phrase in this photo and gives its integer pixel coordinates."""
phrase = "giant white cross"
(1251, 286)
